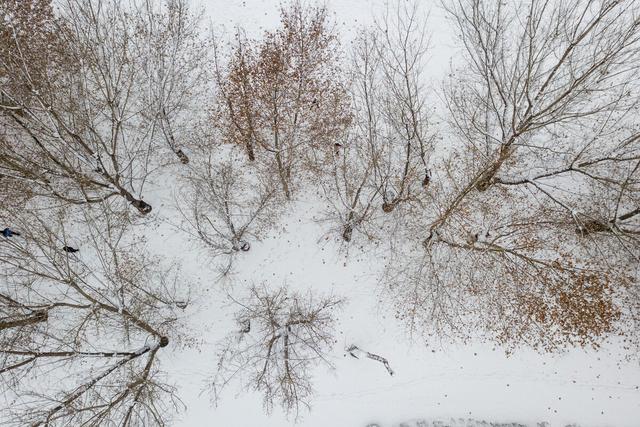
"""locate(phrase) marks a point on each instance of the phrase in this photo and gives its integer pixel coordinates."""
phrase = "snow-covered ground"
(439, 381)
(436, 382)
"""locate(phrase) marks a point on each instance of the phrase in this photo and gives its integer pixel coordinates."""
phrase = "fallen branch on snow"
(354, 350)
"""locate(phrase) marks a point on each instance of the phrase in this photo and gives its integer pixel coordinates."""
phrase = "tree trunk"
(183, 157)
(347, 233)
(486, 179)
(143, 207)
(36, 317)
(388, 207)
(282, 173)
(250, 151)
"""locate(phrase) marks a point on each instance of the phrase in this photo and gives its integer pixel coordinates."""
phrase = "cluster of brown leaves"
(577, 311)
(32, 45)
(283, 94)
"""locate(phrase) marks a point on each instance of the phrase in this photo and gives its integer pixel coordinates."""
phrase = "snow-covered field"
(435, 384)
(440, 381)
(427, 383)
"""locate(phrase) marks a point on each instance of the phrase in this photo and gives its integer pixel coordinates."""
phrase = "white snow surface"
(439, 381)
(435, 381)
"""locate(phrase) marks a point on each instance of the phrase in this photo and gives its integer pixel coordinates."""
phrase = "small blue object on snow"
(7, 232)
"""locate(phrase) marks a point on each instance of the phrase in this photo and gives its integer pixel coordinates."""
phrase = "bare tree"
(281, 336)
(225, 204)
(87, 129)
(391, 61)
(352, 190)
(283, 94)
(533, 233)
(384, 158)
(546, 94)
(81, 333)
(30, 46)
(354, 185)
(175, 58)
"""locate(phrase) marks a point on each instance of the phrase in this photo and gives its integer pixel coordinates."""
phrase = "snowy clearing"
(271, 217)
